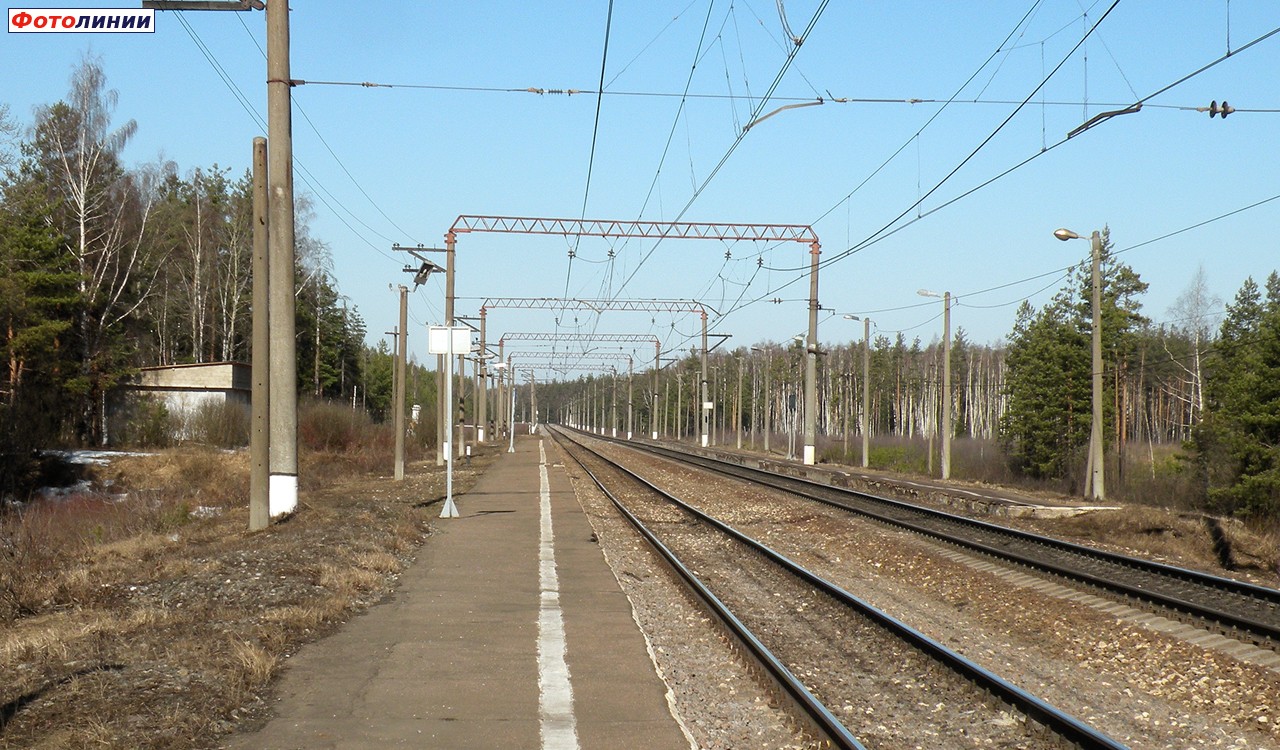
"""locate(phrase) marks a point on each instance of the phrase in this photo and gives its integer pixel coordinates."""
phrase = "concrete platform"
(498, 637)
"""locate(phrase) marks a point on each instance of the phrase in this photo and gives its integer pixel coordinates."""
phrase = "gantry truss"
(562, 368)
(571, 356)
(658, 230)
(612, 338)
(597, 305)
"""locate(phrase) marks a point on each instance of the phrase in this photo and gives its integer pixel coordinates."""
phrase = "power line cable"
(305, 175)
(1059, 273)
(755, 113)
(336, 158)
(591, 160)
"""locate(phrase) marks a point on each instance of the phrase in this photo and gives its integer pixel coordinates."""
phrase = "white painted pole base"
(282, 494)
(706, 440)
(480, 435)
(810, 455)
(628, 436)
(450, 510)
(655, 435)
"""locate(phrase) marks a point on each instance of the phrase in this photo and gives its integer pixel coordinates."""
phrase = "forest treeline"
(106, 268)
(1211, 392)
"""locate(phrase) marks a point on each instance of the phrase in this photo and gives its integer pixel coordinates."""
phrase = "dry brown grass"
(1221, 546)
(141, 623)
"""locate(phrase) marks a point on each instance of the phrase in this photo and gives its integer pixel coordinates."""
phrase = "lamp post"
(768, 394)
(1096, 482)
(866, 386)
(946, 378)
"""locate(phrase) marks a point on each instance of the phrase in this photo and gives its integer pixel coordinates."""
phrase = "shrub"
(145, 423)
(332, 428)
(220, 424)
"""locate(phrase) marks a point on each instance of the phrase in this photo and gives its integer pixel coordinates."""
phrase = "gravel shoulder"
(1143, 687)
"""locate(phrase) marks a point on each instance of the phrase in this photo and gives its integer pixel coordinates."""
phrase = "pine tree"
(1238, 442)
(38, 301)
(1048, 387)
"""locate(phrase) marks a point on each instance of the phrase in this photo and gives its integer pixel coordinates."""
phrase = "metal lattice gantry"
(658, 230)
(597, 305)
(588, 404)
(569, 358)
(603, 305)
(680, 230)
(621, 338)
(611, 338)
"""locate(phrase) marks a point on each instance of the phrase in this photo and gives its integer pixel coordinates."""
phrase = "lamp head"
(927, 293)
(852, 317)
(425, 270)
(1065, 234)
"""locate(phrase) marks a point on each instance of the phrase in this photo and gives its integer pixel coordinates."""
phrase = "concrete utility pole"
(504, 383)
(269, 451)
(946, 379)
(811, 364)
(866, 390)
(511, 410)
(482, 391)
(259, 446)
(946, 385)
(737, 412)
(284, 354)
(631, 406)
(533, 403)
(768, 361)
(653, 407)
(679, 412)
(425, 269)
(402, 346)
(450, 244)
(706, 395)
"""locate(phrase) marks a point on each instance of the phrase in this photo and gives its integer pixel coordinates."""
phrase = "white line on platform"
(555, 693)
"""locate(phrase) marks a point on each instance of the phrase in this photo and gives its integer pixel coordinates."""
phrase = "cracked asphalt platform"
(451, 660)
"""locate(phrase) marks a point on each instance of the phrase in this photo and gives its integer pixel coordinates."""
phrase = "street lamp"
(866, 386)
(946, 378)
(1096, 482)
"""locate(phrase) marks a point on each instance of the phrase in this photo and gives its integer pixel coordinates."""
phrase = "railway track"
(1236, 609)
(845, 645)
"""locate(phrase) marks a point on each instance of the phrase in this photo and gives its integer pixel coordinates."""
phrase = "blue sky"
(458, 134)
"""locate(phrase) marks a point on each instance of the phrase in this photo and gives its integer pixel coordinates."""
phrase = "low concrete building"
(183, 390)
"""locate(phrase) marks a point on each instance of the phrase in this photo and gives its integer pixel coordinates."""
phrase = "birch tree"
(104, 213)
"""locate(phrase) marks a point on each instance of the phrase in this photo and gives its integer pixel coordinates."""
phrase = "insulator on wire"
(1224, 109)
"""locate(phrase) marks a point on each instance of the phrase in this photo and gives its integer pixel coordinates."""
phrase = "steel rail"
(812, 708)
(1257, 629)
(1061, 723)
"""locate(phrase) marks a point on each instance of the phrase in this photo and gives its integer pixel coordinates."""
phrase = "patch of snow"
(92, 457)
(82, 487)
